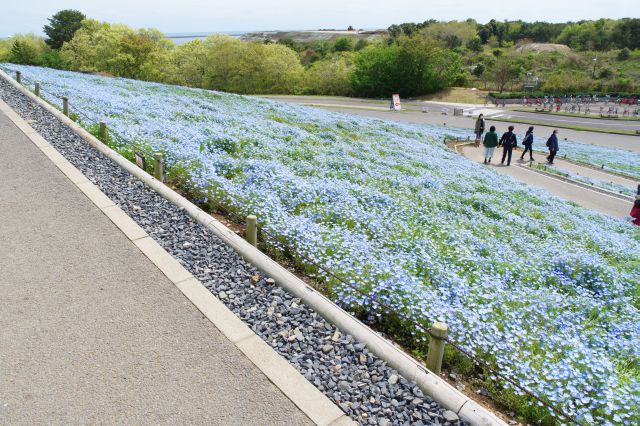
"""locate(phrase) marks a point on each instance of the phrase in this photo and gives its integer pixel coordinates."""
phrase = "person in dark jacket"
(508, 141)
(490, 142)
(528, 144)
(479, 129)
(552, 144)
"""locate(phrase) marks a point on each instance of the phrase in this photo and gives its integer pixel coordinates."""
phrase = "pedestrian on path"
(552, 144)
(479, 129)
(490, 142)
(635, 210)
(528, 144)
(508, 142)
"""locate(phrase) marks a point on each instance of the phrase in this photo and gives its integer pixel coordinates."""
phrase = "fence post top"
(439, 330)
(158, 155)
(251, 217)
(65, 98)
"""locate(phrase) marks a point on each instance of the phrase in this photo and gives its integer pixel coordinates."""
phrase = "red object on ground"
(635, 213)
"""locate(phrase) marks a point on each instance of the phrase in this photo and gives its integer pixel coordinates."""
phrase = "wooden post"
(252, 230)
(37, 89)
(158, 167)
(438, 333)
(103, 131)
(65, 106)
(18, 76)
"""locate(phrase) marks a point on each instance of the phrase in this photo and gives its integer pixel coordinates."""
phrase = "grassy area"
(566, 126)
(463, 95)
(575, 114)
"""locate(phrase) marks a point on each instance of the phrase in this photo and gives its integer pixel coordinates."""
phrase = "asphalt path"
(585, 197)
(561, 120)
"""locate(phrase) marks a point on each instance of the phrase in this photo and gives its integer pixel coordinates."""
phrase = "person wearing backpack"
(528, 144)
(552, 144)
(490, 142)
(508, 141)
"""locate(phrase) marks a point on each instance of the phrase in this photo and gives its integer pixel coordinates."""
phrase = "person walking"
(508, 141)
(479, 129)
(490, 142)
(552, 144)
(528, 144)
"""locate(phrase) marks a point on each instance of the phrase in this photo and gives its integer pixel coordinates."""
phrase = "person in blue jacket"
(552, 144)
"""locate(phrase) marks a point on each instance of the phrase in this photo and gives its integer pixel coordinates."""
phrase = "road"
(573, 121)
(413, 114)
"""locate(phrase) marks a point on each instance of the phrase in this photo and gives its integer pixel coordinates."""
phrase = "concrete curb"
(441, 391)
(313, 403)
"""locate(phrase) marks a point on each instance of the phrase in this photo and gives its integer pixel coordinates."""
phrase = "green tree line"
(343, 66)
(414, 59)
(600, 35)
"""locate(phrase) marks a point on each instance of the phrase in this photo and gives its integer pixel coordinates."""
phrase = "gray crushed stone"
(362, 385)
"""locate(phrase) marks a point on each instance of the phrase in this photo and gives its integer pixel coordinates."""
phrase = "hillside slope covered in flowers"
(546, 291)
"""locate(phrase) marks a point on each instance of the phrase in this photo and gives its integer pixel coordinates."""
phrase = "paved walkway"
(91, 331)
(587, 198)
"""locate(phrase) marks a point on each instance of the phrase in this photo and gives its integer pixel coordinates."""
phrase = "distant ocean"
(182, 38)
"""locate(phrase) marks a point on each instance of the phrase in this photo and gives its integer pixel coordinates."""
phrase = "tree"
(330, 76)
(504, 72)
(475, 44)
(343, 44)
(25, 49)
(24, 53)
(412, 66)
(62, 27)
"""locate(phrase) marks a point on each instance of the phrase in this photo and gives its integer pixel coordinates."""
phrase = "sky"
(22, 16)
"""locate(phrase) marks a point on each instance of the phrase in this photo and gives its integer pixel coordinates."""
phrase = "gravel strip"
(362, 385)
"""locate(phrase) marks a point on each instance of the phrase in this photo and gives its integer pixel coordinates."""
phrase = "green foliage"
(624, 54)
(62, 27)
(115, 49)
(236, 66)
(25, 49)
(330, 76)
(504, 72)
(452, 34)
(626, 33)
(478, 70)
(343, 44)
(24, 53)
(412, 66)
(475, 44)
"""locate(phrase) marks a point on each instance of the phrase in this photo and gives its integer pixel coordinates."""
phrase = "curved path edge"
(441, 391)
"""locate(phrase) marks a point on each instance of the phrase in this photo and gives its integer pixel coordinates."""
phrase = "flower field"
(546, 291)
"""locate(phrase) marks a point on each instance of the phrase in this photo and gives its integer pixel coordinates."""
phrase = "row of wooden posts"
(438, 331)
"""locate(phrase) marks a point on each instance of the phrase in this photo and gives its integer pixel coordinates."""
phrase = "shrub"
(624, 54)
